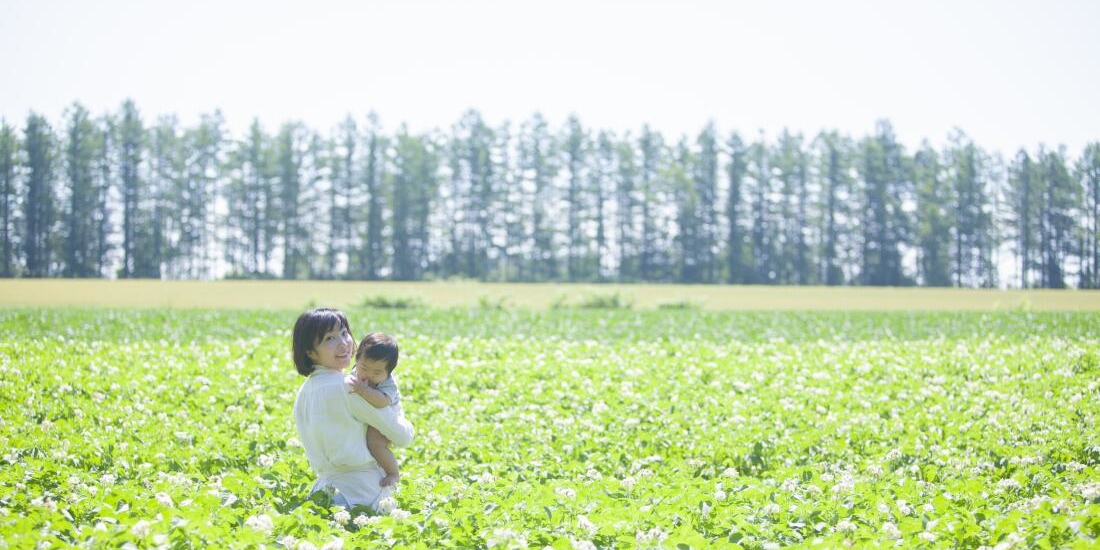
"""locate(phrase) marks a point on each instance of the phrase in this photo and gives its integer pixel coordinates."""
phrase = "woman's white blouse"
(331, 424)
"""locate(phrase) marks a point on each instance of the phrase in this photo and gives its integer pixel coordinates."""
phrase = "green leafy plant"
(612, 300)
(684, 304)
(394, 302)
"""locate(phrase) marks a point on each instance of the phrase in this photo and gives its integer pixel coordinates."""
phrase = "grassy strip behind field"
(302, 294)
(81, 324)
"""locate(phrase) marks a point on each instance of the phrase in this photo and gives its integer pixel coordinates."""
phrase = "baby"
(373, 381)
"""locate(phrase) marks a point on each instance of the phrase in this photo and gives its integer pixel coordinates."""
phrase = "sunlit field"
(569, 428)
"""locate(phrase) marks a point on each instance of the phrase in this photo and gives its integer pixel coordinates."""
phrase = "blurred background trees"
(113, 196)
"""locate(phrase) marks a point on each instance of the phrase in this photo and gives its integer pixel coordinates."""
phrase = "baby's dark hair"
(378, 346)
(308, 331)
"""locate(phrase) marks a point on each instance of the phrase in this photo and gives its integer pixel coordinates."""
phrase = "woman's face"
(334, 350)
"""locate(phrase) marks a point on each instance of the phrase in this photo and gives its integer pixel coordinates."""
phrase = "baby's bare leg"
(379, 448)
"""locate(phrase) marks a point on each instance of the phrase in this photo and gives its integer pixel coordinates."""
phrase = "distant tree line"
(115, 196)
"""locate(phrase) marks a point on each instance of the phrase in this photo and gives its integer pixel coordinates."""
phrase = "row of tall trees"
(113, 195)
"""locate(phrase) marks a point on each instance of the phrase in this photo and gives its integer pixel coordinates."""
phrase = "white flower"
(266, 461)
(883, 508)
(386, 505)
(565, 492)
(704, 509)
(845, 526)
(925, 535)
(770, 545)
(165, 500)
(1012, 540)
(1007, 484)
(361, 520)
(653, 535)
(720, 495)
(108, 479)
(341, 516)
(893, 455)
(1090, 491)
(891, 530)
(334, 544)
(770, 509)
(844, 487)
(140, 529)
(305, 545)
(628, 482)
(261, 523)
(505, 538)
(1074, 466)
(729, 472)
(483, 478)
(586, 525)
(399, 514)
(288, 541)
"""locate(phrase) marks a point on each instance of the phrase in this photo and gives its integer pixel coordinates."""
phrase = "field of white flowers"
(568, 429)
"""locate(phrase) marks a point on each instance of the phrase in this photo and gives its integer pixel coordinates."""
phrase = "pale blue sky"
(1010, 73)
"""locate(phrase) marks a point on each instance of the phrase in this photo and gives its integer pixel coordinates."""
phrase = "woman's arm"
(386, 420)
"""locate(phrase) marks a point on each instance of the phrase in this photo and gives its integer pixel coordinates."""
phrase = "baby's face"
(372, 371)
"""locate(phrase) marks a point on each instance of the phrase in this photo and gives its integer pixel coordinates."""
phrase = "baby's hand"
(356, 385)
(390, 479)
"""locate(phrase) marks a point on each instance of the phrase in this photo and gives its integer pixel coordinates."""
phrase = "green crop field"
(567, 428)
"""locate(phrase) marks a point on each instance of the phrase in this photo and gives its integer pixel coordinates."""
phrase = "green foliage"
(624, 429)
(613, 300)
(394, 302)
(497, 303)
(114, 195)
(681, 304)
(610, 300)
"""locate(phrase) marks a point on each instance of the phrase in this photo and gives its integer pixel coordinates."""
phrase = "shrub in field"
(488, 303)
(394, 302)
(680, 304)
(611, 300)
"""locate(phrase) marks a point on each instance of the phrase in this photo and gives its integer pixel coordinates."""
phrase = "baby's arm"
(370, 395)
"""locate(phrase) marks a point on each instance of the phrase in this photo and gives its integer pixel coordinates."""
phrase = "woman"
(331, 421)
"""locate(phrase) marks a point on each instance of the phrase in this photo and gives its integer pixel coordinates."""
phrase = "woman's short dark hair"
(380, 347)
(308, 331)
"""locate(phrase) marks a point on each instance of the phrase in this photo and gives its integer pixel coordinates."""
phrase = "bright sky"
(1010, 73)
